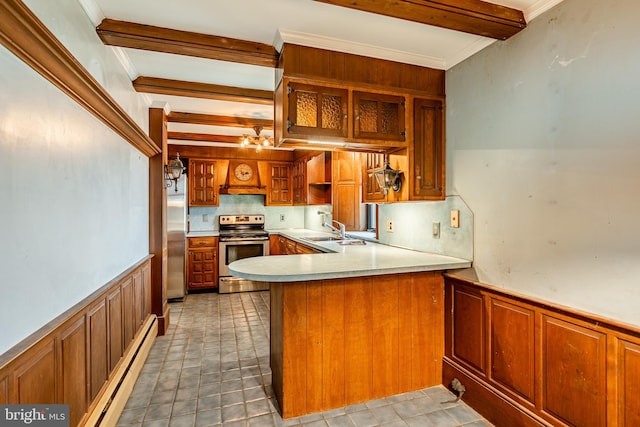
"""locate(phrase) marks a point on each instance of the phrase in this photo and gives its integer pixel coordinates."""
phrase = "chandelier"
(257, 140)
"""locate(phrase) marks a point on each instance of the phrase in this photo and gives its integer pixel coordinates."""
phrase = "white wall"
(542, 144)
(74, 195)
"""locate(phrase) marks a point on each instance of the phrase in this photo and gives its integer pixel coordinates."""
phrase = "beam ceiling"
(214, 120)
(148, 37)
(202, 90)
(469, 16)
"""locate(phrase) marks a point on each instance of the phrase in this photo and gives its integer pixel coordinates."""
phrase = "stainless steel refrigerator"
(176, 239)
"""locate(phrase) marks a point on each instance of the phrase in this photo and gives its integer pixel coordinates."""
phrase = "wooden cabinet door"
(426, 155)
(202, 263)
(346, 189)
(279, 191)
(316, 110)
(371, 191)
(378, 116)
(300, 181)
(202, 185)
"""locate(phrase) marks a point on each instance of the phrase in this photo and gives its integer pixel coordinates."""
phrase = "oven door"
(239, 249)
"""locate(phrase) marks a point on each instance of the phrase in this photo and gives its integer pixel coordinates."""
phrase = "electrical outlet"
(205, 217)
(435, 230)
(281, 217)
(455, 218)
(390, 226)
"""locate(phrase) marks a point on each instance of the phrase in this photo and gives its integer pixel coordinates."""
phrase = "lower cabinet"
(202, 263)
(281, 245)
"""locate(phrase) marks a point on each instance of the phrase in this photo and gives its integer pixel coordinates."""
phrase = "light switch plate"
(455, 218)
(435, 230)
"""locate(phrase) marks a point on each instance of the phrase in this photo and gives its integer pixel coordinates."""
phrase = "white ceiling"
(273, 22)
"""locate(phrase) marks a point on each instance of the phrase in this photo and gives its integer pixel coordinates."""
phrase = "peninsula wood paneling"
(343, 341)
(358, 349)
(547, 364)
(386, 333)
(629, 383)
(71, 359)
(512, 348)
(333, 344)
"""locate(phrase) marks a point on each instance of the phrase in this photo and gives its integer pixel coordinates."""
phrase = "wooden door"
(300, 181)
(279, 191)
(426, 158)
(202, 183)
(371, 191)
(346, 189)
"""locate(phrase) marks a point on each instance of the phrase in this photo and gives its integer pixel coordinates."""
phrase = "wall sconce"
(388, 178)
(173, 171)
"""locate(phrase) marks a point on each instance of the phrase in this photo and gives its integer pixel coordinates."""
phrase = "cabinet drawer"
(202, 242)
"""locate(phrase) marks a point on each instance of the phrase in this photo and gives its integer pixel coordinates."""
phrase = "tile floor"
(212, 369)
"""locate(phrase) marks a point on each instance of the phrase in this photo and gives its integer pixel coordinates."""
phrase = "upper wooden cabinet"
(330, 115)
(202, 183)
(279, 186)
(426, 154)
(378, 116)
(316, 111)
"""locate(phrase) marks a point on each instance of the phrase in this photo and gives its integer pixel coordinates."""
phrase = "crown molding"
(539, 7)
(363, 49)
(92, 10)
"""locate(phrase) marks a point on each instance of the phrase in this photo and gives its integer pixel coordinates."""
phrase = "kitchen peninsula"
(355, 323)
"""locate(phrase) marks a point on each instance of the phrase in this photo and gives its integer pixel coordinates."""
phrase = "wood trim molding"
(473, 17)
(148, 37)
(213, 120)
(202, 90)
(29, 39)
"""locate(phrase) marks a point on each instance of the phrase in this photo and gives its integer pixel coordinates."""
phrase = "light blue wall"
(542, 144)
(74, 198)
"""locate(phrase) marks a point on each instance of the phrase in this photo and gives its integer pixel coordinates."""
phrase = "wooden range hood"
(243, 177)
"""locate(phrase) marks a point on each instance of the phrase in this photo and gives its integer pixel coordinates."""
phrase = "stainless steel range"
(241, 236)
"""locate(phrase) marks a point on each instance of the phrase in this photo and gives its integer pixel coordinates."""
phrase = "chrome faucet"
(342, 230)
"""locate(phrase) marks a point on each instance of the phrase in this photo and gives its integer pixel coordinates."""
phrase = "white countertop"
(208, 233)
(342, 261)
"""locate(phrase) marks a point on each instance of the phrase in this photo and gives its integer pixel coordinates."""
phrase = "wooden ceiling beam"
(147, 37)
(469, 16)
(188, 136)
(202, 90)
(214, 120)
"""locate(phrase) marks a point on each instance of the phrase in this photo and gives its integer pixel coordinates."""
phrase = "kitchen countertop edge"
(372, 259)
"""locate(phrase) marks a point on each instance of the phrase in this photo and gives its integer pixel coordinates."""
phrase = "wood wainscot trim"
(529, 362)
(29, 39)
(88, 357)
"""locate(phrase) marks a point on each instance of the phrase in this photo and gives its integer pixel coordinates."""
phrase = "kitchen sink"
(338, 240)
(321, 238)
